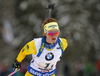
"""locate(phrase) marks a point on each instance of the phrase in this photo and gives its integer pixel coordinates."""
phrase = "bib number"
(46, 66)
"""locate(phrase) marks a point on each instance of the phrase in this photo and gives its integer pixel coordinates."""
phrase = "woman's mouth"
(53, 38)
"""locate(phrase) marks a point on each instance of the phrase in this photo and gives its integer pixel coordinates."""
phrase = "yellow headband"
(50, 26)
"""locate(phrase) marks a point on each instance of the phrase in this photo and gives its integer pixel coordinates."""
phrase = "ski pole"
(13, 72)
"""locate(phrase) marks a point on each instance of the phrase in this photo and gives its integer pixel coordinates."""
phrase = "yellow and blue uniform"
(31, 48)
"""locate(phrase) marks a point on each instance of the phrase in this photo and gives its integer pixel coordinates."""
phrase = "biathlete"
(46, 51)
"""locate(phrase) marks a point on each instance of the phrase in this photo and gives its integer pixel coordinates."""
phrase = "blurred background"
(79, 21)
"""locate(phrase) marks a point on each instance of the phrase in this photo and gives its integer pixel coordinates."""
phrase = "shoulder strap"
(42, 46)
(60, 44)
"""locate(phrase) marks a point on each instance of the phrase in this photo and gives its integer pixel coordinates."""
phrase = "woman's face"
(51, 36)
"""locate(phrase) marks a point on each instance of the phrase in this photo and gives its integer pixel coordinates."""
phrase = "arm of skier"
(28, 49)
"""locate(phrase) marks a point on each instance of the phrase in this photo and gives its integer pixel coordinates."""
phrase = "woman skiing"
(46, 51)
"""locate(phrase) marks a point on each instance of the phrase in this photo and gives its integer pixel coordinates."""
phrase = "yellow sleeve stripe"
(65, 43)
(28, 49)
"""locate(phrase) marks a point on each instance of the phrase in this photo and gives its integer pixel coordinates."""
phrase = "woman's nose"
(54, 35)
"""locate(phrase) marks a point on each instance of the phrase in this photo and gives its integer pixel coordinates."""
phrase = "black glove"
(16, 65)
